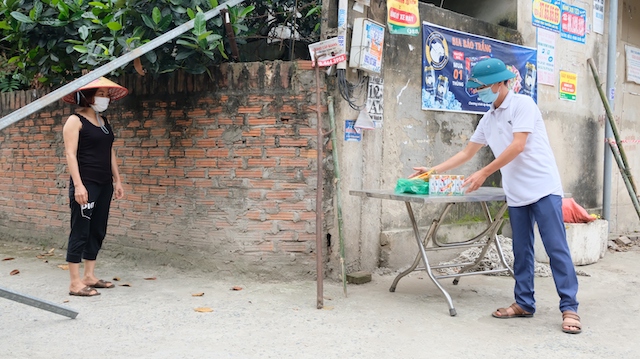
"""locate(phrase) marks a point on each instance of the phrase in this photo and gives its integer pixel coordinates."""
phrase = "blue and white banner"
(447, 60)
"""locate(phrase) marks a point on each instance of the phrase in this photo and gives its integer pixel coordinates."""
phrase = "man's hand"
(474, 181)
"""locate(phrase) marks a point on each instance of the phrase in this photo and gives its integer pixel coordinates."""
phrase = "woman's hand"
(118, 190)
(81, 194)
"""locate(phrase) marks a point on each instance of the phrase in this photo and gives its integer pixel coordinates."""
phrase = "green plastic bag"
(412, 185)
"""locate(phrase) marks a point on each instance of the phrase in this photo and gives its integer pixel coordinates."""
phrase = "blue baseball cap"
(488, 72)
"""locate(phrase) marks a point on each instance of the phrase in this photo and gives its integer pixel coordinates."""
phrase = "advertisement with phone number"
(447, 58)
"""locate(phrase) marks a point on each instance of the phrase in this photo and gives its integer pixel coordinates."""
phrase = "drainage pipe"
(611, 86)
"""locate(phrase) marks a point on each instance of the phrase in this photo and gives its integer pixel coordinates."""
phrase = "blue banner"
(447, 60)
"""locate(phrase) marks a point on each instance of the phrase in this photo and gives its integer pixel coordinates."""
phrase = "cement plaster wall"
(412, 137)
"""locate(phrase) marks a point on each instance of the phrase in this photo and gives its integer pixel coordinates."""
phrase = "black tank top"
(94, 152)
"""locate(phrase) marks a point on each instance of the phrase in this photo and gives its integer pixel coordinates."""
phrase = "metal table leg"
(423, 253)
(432, 230)
(492, 238)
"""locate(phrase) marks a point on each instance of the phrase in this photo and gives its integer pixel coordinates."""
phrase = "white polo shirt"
(533, 174)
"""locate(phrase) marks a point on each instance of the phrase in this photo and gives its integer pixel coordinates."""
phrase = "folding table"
(493, 223)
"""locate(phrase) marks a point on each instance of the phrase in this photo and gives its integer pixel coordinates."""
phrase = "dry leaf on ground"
(116, 278)
(65, 301)
(14, 272)
(8, 259)
(63, 266)
(236, 288)
(150, 278)
(125, 285)
(197, 294)
(203, 310)
(40, 256)
(51, 251)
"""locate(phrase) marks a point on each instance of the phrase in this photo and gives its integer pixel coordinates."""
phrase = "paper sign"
(568, 85)
(350, 133)
(375, 98)
(546, 57)
(598, 16)
(403, 17)
(574, 23)
(546, 14)
(329, 52)
(633, 63)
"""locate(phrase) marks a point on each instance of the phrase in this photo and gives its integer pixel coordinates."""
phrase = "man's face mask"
(100, 104)
(486, 95)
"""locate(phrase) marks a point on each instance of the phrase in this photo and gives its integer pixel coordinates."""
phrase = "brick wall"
(217, 173)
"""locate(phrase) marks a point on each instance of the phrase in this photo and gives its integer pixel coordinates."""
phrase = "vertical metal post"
(320, 182)
(611, 85)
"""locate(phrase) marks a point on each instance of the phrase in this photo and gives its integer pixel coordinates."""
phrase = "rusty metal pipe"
(320, 182)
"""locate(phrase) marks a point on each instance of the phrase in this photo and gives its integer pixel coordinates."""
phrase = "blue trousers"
(547, 212)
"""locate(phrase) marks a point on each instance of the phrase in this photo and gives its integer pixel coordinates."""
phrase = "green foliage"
(300, 17)
(52, 41)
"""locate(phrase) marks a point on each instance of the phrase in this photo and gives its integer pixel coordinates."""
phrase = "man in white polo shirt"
(514, 130)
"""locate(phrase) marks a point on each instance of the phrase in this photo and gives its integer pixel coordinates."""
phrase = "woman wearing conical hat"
(91, 160)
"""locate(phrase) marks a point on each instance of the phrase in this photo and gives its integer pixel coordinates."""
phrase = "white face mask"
(100, 104)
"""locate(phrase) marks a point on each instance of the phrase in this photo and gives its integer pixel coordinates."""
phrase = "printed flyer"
(447, 60)
(403, 17)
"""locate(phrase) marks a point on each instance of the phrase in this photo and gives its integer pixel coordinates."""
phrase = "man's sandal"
(574, 317)
(518, 312)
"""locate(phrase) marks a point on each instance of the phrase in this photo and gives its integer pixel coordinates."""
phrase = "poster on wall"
(350, 133)
(574, 20)
(568, 85)
(545, 14)
(403, 17)
(546, 57)
(447, 58)
(633, 63)
(598, 16)
(375, 100)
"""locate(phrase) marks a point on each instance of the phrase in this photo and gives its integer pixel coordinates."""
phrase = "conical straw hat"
(116, 91)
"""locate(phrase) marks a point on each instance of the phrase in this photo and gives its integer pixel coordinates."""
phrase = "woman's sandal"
(518, 312)
(565, 323)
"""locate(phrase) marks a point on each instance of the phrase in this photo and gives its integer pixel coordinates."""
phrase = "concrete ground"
(157, 318)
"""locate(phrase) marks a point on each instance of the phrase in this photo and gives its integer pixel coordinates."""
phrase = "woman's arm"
(119, 190)
(71, 135)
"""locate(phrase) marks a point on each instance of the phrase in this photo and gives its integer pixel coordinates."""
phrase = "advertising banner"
(568, 85)
(447, 58)
(546, 14)
(403, 17)
(574, 23)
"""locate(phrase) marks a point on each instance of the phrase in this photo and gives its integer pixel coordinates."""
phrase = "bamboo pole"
(336, 171)
(619, 154)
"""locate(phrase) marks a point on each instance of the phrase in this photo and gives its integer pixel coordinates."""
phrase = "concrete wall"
(412, 137)
(627, 113)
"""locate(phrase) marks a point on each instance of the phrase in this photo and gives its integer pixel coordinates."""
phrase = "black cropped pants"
(88, 222)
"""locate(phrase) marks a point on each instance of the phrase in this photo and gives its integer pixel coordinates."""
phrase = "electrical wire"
(355, 93)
